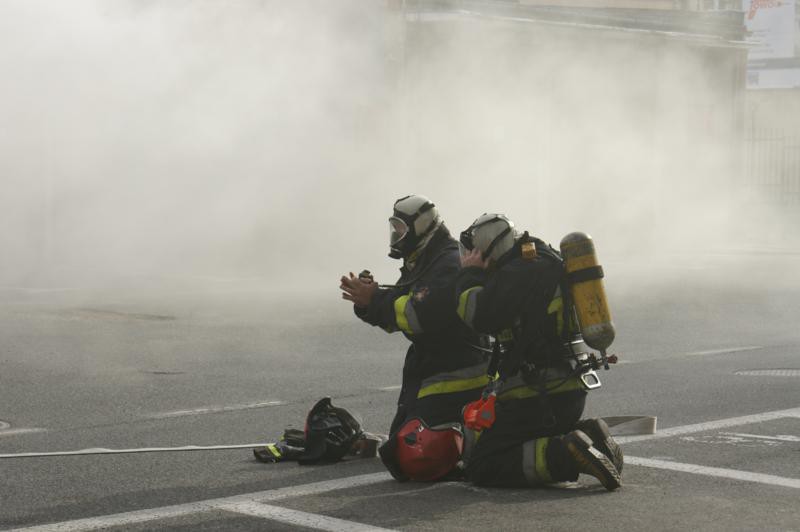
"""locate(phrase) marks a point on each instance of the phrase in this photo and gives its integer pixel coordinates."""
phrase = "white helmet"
(492, 234)
(414, 218)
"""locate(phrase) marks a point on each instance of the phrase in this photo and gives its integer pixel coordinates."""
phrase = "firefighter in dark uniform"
(510, 286)
(444, 366)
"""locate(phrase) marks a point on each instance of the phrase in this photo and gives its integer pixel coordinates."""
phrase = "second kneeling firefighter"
(444, 367)
(527, 424)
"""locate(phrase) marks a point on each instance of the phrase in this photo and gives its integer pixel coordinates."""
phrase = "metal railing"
(772, 166)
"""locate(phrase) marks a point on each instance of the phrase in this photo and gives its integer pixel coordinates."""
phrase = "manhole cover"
(769, 372)
(4, 425)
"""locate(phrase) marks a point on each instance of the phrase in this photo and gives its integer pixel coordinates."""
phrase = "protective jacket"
(519, 302)
(443, 370)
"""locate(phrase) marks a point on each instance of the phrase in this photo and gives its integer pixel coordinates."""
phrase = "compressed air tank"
(585, 279)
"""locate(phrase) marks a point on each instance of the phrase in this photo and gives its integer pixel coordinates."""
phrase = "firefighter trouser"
(433, 409)
(440, 398)
(524, 446)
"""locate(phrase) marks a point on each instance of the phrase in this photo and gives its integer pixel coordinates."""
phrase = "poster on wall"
(771, 24)
(774, 57)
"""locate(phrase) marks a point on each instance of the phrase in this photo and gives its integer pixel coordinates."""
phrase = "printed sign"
(772, 23)
(774, 58)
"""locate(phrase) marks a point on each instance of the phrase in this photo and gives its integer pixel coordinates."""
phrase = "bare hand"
(358, 290)
(474, 258)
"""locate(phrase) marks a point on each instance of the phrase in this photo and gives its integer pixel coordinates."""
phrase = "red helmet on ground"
(424, 453)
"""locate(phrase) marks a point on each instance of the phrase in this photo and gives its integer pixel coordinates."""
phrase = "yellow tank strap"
(527, 391)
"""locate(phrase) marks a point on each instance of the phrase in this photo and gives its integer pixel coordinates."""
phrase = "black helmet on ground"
(330, 433)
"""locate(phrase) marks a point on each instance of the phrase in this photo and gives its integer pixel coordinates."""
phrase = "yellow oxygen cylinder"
(585, 279)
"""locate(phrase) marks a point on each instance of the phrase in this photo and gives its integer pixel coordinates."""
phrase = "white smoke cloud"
(270, 138)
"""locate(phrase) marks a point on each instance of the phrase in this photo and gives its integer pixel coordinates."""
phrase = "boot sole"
(591, 461)
(601, 439)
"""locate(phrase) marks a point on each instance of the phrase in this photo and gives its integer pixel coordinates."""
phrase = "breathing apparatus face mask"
(398, 230)
(413, 220)
(465, 244)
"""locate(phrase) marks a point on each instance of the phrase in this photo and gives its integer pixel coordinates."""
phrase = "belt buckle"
(590, 380)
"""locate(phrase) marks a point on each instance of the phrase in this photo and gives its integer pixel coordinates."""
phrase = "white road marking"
(142, 516)
(725, 350)
(692, 354)
(320, 487)
(15, 432)
(295, 517)
(123, 519)
(721, 438)
(213, 410)
(390, 388)
(34, 290)
(734, 474)
(779, 437)
(713, 425)
(776, 372)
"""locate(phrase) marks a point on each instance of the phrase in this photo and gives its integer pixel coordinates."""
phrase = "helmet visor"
(397, 230)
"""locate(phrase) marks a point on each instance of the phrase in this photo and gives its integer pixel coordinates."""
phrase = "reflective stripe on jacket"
(405, 315)
(467, 302)
(516, 388)
(473, 377)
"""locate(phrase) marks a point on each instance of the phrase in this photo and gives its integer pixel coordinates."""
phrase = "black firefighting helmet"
(330, 433)
(414, 218)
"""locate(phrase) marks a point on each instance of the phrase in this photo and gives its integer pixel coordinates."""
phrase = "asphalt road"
(171, 364)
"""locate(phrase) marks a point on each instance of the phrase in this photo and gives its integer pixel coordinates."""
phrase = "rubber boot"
(597, 430)
(590, 461)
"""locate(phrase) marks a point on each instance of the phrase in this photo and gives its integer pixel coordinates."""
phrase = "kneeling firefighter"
(526, 428)
(445, 367)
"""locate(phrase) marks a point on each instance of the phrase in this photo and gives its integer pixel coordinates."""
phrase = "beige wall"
(691, 5)
(618, 4)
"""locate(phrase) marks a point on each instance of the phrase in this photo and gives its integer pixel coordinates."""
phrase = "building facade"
(637, 109)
